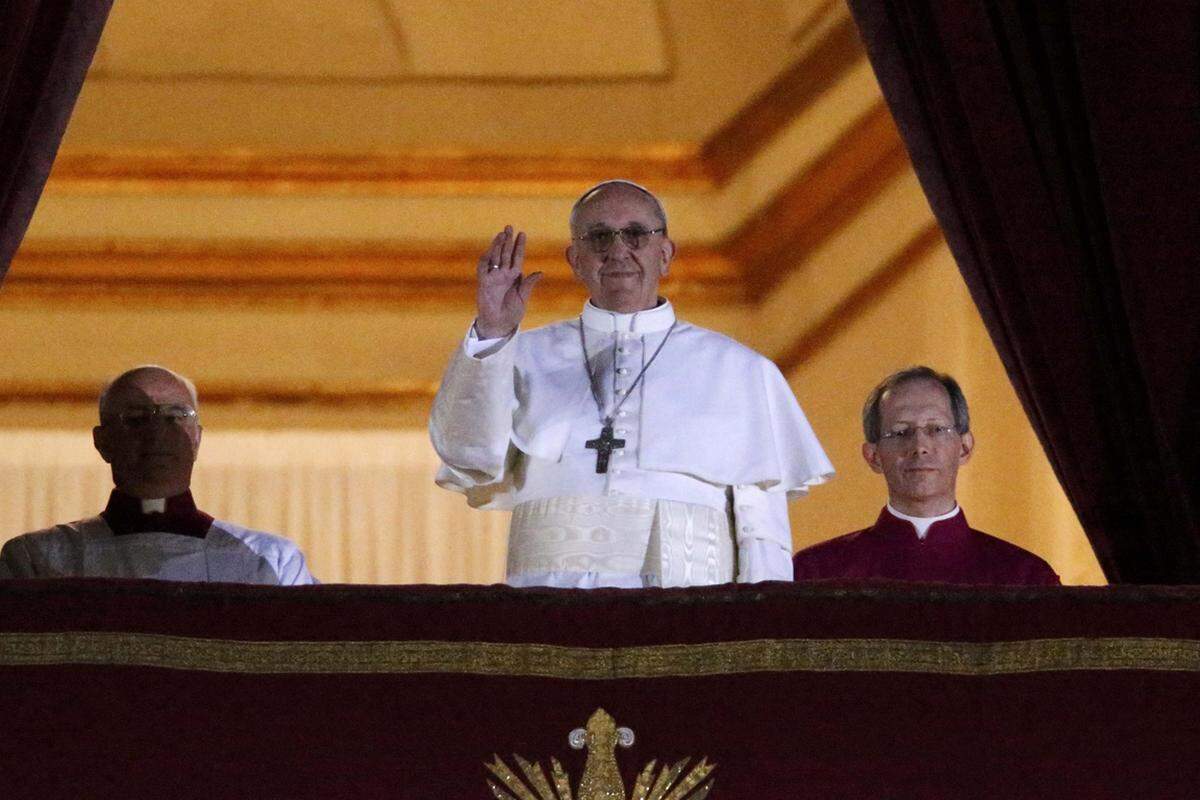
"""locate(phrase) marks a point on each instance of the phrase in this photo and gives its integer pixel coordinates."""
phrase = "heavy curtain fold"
(45, 49)
(1059, 146)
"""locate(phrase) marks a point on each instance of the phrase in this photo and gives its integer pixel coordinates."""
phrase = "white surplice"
(88, 549)
(712, 424)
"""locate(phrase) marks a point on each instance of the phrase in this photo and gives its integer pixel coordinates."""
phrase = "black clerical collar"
(124, 515)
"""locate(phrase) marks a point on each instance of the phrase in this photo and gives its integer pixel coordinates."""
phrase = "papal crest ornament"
(601, 780)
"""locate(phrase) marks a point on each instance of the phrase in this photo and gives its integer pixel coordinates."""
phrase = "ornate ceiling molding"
(744, 267)
(818, 201)
(851, 307)
(671, 166)
(162, 273)
(736, 269)
(392, 394)
(740, 139)
(415, 172)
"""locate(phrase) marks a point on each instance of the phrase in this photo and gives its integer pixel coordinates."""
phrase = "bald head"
(149, 432)
(145, 373)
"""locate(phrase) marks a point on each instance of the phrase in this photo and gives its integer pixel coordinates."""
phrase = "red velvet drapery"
(1059, 146)
(45, 49)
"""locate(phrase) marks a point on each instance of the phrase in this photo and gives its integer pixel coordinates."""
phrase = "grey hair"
(129, 373)
(871, 416)
(593, 192)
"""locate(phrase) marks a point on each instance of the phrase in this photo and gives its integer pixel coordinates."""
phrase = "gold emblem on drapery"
(601, 779)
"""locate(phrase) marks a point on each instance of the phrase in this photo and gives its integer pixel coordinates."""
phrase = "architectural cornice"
(670, 166)
(240, 393)
(315, 273)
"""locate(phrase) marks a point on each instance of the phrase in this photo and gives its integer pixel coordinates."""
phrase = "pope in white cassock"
(149, 433)
(634, 448)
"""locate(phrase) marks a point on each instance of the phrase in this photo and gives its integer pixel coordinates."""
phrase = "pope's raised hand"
(503, 290)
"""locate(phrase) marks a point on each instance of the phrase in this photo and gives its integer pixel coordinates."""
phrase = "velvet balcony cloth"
(1059, 146)
(143, 689)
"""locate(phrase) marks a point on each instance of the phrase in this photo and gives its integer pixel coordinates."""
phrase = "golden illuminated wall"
(295, 227)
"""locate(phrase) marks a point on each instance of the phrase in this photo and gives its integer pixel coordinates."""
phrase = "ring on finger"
(493, 267)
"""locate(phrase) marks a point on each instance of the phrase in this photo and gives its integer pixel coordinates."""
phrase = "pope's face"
(921, 472)
(150, 452)
(621, 278)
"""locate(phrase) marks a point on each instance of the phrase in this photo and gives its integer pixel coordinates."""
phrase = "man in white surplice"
(634, 448)
(149, 433)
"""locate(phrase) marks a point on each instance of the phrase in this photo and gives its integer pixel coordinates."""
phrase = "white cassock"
(714, 446)
(88, 548)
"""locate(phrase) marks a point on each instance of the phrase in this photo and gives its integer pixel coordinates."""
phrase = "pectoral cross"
(604, 446)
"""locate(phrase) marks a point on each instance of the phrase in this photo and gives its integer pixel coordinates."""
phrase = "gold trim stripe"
(600, 663)
(859, 301)
(230, 393)
(457, 173)
(313, 274)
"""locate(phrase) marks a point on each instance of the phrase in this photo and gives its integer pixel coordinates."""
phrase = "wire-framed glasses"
(634, 236)
(933, 430)
(170, 413)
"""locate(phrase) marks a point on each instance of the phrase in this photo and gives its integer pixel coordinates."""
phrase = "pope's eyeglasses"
(904, 436)
(140, 417)
(634, 236)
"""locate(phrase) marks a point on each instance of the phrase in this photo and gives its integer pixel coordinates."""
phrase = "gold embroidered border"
(599, 663)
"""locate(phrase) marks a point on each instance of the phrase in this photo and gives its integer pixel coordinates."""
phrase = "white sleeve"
(470, 424)
(763, 533)
(292, 569)
(482, 348)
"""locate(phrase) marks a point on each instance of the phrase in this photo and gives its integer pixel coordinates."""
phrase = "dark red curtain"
(1059, 146)
(45, 49)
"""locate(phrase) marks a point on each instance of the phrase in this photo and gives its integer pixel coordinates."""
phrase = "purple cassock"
(951, 552)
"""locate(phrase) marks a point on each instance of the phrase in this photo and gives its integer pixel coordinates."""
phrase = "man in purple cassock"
(917, 432)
